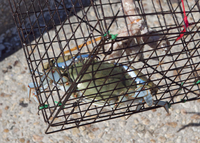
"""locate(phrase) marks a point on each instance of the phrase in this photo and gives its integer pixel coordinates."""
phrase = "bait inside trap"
(96, 60)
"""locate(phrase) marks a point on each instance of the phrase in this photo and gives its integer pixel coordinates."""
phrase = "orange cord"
(82, 45)
(92, 41)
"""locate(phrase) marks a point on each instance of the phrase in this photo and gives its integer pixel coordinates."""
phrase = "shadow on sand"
(191, 124)
(11, 43)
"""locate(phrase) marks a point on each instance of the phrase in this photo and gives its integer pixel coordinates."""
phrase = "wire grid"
(48, 28)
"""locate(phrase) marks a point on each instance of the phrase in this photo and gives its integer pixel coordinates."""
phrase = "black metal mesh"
(48, 28)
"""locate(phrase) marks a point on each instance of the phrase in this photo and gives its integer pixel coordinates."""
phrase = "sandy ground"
(20, 122)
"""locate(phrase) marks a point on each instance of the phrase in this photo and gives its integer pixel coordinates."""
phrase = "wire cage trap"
(96, 60)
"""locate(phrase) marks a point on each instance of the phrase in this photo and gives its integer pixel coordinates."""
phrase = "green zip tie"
(183, 100)
(59, 103)
(45, 106)
(113, 36)
(181, 86)
(194, 83)
(169, 105)
(197, 82)
(106, 34)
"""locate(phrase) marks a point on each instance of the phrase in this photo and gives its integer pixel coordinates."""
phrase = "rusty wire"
(48, 28)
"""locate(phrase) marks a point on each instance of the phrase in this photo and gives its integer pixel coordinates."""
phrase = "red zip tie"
(186, 23)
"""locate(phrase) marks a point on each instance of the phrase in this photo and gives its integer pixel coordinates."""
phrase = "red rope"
(186, 23)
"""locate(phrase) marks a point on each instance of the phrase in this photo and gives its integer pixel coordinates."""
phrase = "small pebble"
(6, 108)
(122, 123)
(61, 141)
(22, 140)
(169, 135)
(158, 114)
(127, 132)
(153, 110)
(95, 129)
(24, 88)
(16, 63)
(172, 124)
(146, 121)
(88, 126)
(82, 128)
(134, 126)
(195, 117)
(7, 77)
(37, 138)
(4, 70)
(91, 136)
(183, 112)
(113, 139)
(15, 130)
(23, 72)
(152, 140)
(67, 139)
(136, 121)
(141, 127)
(4, 95)
(140, 134)
(178, 140)
(19, 77)
(161, 139)
(170, 142)
(119, 140)
(75, 131)
(9, 67)
(23, 104)
(177, 111)
(100, 135)
(6, 130)
(148, 135)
